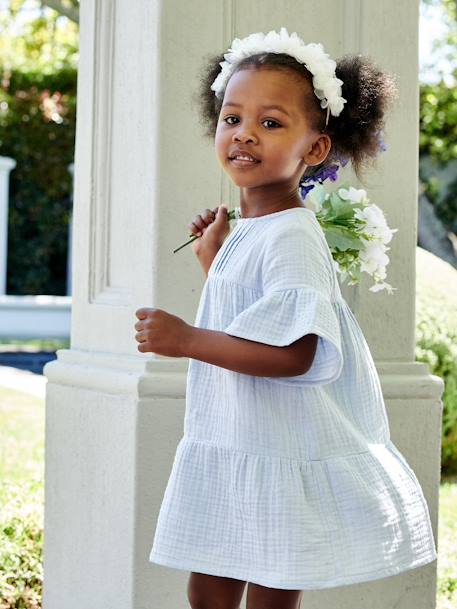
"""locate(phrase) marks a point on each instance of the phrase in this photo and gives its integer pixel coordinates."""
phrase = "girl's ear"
(319, 150)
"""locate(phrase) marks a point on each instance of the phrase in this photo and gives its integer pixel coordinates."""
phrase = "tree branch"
(72, 12)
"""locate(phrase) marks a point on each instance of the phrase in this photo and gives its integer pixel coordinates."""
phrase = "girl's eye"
(267, 120)
(226, 119)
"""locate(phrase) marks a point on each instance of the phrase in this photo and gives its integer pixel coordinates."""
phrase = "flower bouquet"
(356, 232)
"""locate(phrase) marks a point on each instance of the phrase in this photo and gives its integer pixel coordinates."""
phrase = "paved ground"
(23, 380)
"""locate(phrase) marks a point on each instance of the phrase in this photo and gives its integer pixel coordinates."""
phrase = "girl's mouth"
(243, 162)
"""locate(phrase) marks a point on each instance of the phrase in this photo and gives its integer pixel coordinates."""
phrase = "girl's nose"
(244, 135)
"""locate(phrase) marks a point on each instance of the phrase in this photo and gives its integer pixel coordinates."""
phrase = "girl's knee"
(213, 592)
(261, 597)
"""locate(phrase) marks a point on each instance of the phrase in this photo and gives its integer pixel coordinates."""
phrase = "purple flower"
(343, 161)
(330, 172)
(382, 145)
(324, 173)
(304, 190)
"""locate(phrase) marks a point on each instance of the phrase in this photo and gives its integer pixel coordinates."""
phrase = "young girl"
(286, 476)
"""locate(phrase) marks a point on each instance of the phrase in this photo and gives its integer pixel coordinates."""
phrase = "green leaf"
(342, 238)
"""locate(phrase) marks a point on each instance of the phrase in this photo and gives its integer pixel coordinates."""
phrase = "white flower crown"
(327, 86)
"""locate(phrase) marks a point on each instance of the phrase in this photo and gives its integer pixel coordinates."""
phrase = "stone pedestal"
(142, 171)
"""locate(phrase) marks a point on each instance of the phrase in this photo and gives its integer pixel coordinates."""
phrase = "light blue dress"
(288, 482)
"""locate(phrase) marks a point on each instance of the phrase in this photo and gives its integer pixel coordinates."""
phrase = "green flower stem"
(231, 216)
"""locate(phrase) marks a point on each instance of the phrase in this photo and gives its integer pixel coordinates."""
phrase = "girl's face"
(280, 138)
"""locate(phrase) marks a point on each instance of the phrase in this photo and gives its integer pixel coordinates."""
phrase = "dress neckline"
(274, 214)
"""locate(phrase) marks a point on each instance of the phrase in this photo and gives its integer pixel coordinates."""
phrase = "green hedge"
(438, 139)
(37, 129)
(436, 340)
(21, 545)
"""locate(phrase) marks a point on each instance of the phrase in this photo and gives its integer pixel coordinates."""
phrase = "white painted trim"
(144, 376)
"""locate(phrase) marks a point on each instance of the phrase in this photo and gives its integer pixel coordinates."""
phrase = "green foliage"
(438, 121)
(21, 545)
(22, 427)
(37, 129)
(447, 45)
(447, 534)
(39, 58)
(35, 344)
(438, 113)
(438, 140)
(47, 43)
(436, 340)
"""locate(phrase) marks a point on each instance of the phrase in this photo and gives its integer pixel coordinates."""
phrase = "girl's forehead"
(266, 86)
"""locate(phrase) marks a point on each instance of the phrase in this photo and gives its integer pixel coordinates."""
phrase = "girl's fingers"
(201, 222)
(209, 215)
(197, 225)
(194, 228)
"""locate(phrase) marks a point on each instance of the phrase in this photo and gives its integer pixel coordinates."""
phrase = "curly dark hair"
(355, 133)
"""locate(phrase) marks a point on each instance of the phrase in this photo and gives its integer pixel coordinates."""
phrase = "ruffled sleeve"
(297, 280)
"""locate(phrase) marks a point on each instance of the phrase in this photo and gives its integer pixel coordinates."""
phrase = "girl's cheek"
(220, 141)
(219, 149)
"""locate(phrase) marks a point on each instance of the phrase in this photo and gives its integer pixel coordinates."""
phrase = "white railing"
(42, 316)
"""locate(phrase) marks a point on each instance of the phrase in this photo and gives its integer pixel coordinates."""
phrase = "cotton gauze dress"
(288, 482)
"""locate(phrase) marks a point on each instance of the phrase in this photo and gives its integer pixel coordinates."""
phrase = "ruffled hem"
(282, 317)
(232, 571)
(293, 524)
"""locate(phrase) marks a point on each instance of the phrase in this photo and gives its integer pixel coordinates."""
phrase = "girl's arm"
(166, 334)
(250, 357)
(206, 257)
(214, 226)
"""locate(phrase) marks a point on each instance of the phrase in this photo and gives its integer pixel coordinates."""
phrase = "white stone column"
(6, 165)
(142, 169)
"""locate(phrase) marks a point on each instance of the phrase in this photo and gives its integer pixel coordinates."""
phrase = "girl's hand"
(161, 332)
(214, 226)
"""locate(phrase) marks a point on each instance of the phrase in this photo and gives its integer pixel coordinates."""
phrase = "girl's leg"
(259, 597)
(214, 592)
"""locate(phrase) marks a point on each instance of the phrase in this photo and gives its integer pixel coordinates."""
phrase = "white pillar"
(142, 170)
(6, 165)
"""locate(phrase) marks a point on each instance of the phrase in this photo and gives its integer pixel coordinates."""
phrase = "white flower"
(327, 86)
(382, 286)
(373, 256)
(315, 198)
(312, 203)
(374, 216)
(353, 194)
(380, 273)
(376, 225)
